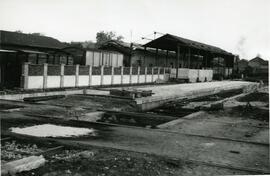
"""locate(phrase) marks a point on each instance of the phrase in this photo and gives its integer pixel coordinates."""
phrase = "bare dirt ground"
(243, 118)
(123, 150)
(97, 161)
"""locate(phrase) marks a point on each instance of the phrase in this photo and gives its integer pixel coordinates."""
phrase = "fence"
(192, 75)
(64, 76)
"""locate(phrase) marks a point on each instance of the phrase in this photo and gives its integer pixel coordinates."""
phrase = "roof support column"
(130, 56)
(189, 57)
(144, 55)
(156, 58)
(167, 53)
(206, 58)
(177, 60)
(37, 59)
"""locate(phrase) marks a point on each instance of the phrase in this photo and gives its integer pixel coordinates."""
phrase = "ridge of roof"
(199, 45)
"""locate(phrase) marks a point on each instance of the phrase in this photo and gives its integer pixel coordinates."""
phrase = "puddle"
(50, 130)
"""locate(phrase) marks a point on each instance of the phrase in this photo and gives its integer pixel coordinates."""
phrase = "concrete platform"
(165, 93)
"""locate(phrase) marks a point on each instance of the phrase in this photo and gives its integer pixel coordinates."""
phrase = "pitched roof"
(259, 60)
(125, 47)
(120, 46)
(21, 39)
(170, 42)
(243, 61)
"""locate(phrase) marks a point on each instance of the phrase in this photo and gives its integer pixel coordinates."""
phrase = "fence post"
(152, 79)
(145, 74)
(122, 73)
(102, 73)
(25, 75)
(77, 75)
(62, 75)
(90, 75)
(45, 75)
(164, 71)
(130, 75)
(112, 76)
(139, 70)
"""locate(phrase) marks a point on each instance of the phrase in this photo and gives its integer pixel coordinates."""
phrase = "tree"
(19, 31)
(103, 36)
(37, 34)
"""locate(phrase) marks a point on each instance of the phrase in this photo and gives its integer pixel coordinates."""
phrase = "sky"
(238, 26)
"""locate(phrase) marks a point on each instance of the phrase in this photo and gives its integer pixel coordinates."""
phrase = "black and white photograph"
(134, 87)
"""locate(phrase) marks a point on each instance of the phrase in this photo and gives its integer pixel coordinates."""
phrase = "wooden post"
(25, 75)
(130, 75)
(90, 75)
(158, 72)
(152, 79)
(167, 54)
(156, 64)
(45, 75)
(177, 59)
(139, 70)
(188, 57)
(62, 73)
(145, 74)
(112, 75)
(122, 74)
(67, 60)
(131, 50)
(101, 74)
(37, 58)
(144, 56)
(164, 71)
(77, 75)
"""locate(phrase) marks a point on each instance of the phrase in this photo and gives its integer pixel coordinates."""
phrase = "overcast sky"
(238, 26)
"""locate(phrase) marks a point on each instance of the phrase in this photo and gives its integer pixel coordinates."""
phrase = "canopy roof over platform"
(171, 42)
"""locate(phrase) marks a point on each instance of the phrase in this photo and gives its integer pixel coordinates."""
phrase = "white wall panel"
(53, 81)
(69, 81)
(35, 82)
(83, 80)
(117, 79)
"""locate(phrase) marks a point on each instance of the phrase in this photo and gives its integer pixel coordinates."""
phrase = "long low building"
(175, 52)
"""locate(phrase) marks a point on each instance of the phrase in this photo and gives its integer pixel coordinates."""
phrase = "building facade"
(17, 48)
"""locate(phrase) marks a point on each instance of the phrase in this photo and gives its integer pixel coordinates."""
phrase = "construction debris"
(131, 93)
(25, 164)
